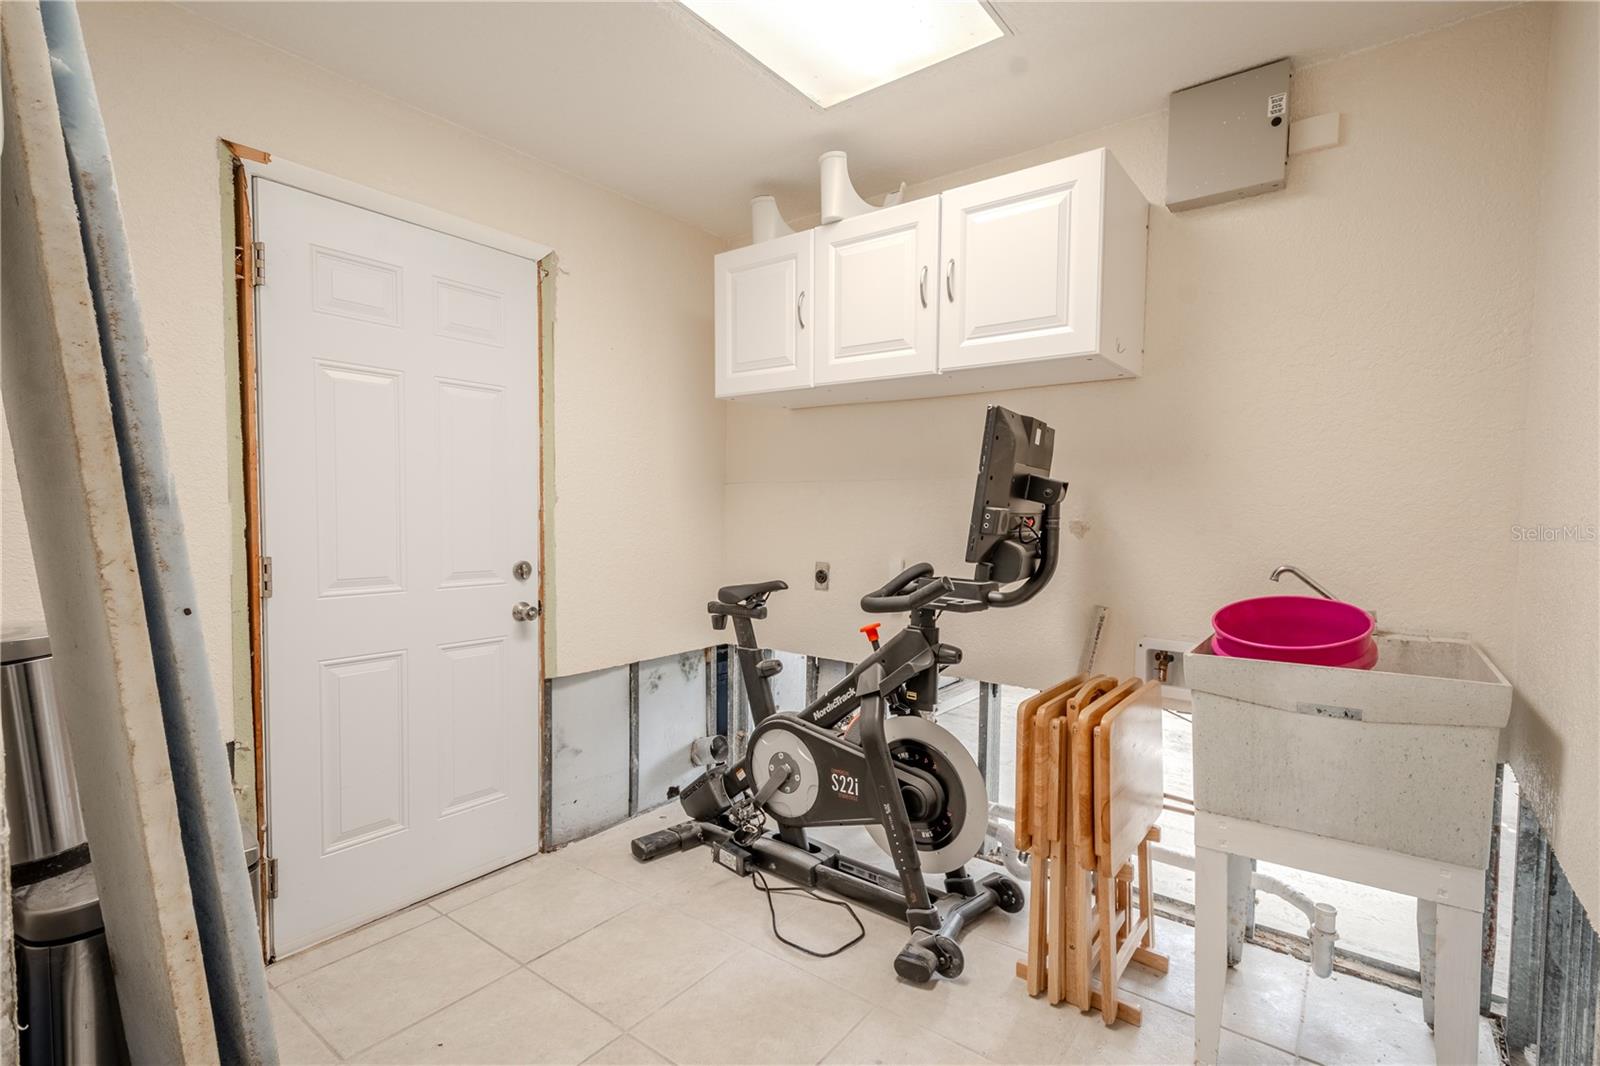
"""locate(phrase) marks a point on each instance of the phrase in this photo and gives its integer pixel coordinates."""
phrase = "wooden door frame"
(250, 163)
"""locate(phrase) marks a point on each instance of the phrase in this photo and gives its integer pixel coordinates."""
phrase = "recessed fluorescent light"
(832, 50)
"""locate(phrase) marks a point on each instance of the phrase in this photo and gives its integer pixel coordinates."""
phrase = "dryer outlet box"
(1228, 138)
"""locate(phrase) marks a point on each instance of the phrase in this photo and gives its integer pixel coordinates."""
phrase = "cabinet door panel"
(1020, 277)
(877, 275)
(763, 326)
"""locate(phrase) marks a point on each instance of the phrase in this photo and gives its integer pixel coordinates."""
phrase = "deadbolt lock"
(522, 571)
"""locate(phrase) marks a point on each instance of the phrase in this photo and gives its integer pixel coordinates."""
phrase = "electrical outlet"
(820, 575)
(1161, 658)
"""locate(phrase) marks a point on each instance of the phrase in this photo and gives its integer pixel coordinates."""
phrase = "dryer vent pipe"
(839, 197)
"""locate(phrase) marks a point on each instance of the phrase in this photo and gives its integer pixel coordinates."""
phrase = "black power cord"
(760, 881)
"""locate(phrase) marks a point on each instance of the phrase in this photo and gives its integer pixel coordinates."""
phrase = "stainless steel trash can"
(65, 994)
(41, 789)
(66, 999)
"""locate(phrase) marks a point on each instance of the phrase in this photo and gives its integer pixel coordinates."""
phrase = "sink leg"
(1458, 970)
(1427, 942)
(1210, 949)
(1241, 905)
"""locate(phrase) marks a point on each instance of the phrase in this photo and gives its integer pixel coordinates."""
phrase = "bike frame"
(910, 657)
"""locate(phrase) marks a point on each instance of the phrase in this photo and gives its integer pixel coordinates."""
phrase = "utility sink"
(1419, 679)
(1401, 756)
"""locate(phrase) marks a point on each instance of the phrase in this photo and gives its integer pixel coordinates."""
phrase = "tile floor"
(585, 955)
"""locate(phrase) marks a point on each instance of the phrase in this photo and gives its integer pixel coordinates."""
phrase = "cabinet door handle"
(923, 287)
(950, 281)
(800, 309)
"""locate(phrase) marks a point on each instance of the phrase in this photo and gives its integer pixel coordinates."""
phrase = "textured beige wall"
(637, 499)
(1555, 732)
(1332, 379)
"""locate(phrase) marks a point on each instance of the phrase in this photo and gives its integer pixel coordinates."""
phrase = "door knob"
(525, 611)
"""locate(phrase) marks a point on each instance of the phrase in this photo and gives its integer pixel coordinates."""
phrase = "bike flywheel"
(952, 834)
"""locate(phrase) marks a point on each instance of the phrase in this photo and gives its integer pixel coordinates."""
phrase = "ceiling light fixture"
(832, 50)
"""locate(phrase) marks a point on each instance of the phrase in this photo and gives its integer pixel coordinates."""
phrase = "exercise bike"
(866, 752)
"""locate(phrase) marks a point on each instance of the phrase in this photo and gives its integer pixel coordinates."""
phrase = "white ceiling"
(645, 99)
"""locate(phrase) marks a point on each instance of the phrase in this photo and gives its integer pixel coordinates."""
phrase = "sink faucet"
(1318, 589)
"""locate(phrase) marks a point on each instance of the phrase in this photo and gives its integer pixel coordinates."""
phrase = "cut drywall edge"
(243, 718)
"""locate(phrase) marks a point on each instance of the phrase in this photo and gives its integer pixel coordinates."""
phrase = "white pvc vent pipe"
(839, 197)
(765, 221)
(1323, 930)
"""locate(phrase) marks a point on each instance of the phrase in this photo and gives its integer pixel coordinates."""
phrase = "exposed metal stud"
(711, 692)
(1554, 1000)
(723, 724)
(1572, 1002)
(989, 737)
(1491, 898)
(1589, 986)
(1529, 896)
(813, 672)
(738, 710)
(633, 739)
(546, 767)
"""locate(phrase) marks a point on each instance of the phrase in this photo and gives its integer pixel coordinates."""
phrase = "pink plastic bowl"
(1295, 629)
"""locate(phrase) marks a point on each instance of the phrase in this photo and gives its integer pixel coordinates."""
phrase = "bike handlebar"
(903, 593)
(902, 581)
(915, 586)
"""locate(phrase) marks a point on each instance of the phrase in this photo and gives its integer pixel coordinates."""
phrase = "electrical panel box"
(1228, 138)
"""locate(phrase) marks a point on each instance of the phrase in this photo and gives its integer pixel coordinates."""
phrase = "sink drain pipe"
(1323, 930)
(1000, 847)
(1000, 842)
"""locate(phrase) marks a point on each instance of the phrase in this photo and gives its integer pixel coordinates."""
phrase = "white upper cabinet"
(877, 295)
(764, 317)
(1045, 264)
(1031, 278)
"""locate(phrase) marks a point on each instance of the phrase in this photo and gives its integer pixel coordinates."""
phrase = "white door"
(400, 465)
(1021, 277)
(764, 317)
(877, 294)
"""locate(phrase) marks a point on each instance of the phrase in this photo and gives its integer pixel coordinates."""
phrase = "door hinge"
(272, 879)
(266, 577)
(258, 262)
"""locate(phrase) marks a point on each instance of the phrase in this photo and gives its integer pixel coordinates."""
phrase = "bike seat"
(738, 594)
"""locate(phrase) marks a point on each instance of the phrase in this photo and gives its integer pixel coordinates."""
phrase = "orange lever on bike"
(872, 632)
